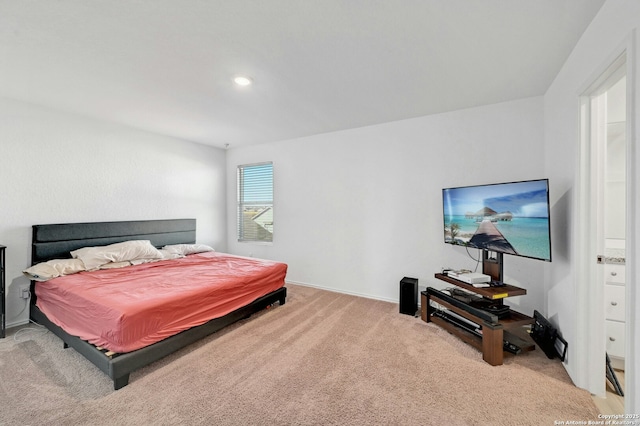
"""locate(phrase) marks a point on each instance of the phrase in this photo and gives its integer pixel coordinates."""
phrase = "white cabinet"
(614, 302)
(614, 273)
(614, 299)
(615, 339)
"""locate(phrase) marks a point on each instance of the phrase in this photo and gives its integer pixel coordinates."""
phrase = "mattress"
(125, 309)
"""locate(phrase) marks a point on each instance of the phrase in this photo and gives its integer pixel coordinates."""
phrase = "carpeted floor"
(323, 358)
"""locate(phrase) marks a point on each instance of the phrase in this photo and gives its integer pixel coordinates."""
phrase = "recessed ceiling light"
(242, 80)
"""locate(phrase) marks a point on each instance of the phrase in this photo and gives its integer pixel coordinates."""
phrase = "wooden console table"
(494, 330)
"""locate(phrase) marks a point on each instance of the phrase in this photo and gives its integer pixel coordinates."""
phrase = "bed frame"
(57, 240)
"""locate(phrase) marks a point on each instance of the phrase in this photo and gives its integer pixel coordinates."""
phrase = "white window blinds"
(255, 202)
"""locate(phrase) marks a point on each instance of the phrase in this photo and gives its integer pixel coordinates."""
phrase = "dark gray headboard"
(56, 241)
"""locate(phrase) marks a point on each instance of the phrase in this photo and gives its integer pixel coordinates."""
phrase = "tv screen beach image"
(511, 218)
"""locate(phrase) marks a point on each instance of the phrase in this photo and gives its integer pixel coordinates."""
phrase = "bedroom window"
(255, 202)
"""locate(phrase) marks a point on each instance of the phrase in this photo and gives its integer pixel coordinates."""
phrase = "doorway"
(602, 230)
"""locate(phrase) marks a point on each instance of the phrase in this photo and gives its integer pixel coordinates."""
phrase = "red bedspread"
(126, 309)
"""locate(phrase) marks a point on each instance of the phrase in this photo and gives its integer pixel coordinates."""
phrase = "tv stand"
(490, 340)
(492, 264)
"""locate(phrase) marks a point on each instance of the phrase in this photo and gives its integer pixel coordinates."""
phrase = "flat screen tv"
(505, 218)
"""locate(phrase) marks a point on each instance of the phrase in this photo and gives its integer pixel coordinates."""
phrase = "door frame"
(589, 279)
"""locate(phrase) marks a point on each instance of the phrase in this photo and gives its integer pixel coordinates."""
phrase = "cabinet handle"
(613, 339)
(614, 273)
(614, 303)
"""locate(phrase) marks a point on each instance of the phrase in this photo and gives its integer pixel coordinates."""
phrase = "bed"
(57, 241)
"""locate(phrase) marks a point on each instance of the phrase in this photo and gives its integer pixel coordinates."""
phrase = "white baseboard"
(351, 293)
(16, 323)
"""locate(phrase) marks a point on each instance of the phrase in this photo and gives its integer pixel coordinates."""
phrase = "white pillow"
(54, 268)
(94, 257)
(168, 254)
(186, 249)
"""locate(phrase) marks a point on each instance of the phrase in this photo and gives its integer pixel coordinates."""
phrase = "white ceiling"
(166, 66)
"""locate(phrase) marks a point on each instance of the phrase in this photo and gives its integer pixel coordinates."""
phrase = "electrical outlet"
(25, 293)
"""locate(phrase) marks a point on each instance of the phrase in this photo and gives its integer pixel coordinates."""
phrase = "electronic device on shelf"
(471, 278)
(511, 347)
(491, 306)
(461, 295)
(474, 278)
(504, 218)
(455, 272)
(498, 309)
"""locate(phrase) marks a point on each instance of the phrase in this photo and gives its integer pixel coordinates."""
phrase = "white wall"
(612, 28)
(56, 168)
(357, 210)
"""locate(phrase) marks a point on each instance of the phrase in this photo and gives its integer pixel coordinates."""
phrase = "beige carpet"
(323, 358)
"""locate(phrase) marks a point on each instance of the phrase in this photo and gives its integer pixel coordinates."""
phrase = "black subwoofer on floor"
(408, 296)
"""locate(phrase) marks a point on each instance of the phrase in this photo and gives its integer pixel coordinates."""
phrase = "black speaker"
(408, 296)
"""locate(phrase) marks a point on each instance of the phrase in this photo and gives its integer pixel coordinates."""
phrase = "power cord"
(478, 260)
(29, 331)
(40, 328)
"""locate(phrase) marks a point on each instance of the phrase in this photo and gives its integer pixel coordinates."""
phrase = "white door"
(603, 211)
